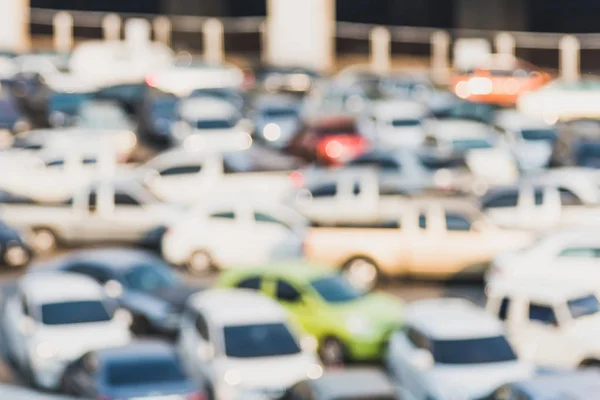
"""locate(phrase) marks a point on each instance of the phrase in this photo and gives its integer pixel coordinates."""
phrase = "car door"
(293, 299)
(267, 233)
(540, 338)
(16, 310)
(404, 347)
(429, 245)
(196, 346)
(503, 208)
(230, 242)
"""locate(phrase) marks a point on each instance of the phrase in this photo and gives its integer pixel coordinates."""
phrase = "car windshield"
(538, 134)
(281, 113)
(67, 102)
(328, 130)
(75, 312)
(335, 289)
(216, 123)
(150, 277)
(470, 144)
(103, 117)
(263, 340)
(583, 306)
(144, 371)
(473, 351)
(164, 108)
(404, 123)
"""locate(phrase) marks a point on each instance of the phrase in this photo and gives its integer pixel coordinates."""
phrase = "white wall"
(14, 25)
(301, 33)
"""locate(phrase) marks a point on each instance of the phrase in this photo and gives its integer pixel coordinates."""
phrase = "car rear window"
(75, 312)
(142, 371)
(473, 351)
(215, 123)
(260, 340)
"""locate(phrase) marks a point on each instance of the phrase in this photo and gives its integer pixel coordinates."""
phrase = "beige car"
(436, 239)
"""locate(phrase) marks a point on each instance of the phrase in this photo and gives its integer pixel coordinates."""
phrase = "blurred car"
(352, 384)
(398, 123)
(347, 324)
(563, 101)
(276, 119)
(126, 96)
(551, 322)
(573, 385)
(63, 107)
(203, 239)
(233, 95)
(530, 140)
(578, 182)
(188, 177)
(144, 369)
(502, 81)
(452, 349)
(56, 317)
(564, 250)
(209, 124)
(399, 243)
(141, 283)
(242, 343)
(12, 118)
(578, 144)
(157, 117)
(14, 250)
(330, 140)
(276, 79)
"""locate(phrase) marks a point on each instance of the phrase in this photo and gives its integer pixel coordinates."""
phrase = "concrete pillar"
(137, 32)
(111, 27)
(505, 44)
(162, 30)
(440, 56)
(63, 32)
(264, 42)
(214, 48)
(301, 33)
(381, 50)
(14, 25)
(569, 58)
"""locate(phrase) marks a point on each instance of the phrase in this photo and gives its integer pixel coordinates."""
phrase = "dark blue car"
(139, 370)
(142, 283)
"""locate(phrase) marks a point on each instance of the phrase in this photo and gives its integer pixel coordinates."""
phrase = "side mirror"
(422, 360)
(206, 351)
(113, 289)
(26, 325)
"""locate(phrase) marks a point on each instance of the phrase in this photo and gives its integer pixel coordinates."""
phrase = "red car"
(330, 140)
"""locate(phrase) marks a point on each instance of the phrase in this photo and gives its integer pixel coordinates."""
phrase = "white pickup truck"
(106, 211)
(539, 208)
(183, 177)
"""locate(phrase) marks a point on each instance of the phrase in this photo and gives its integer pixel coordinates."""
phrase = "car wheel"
(362, 273)
(590, 364)
(332, 352)
(44, 240)
(200, 263)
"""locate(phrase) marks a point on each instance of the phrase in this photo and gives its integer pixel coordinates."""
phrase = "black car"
(144, 369)
(14, 252)
(63, 107)
(156, 117)
(12, 117)
(141, 282)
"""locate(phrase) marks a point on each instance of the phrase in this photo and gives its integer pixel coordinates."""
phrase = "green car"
(347, 324)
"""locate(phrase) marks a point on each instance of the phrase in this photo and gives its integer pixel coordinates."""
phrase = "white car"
(398, 123)
(452, 349)
(581, 182)
(530, 139)
(210, 124)
(55, 318)
(243, 343)
(570, 252)
(237, 234)
(551, 322)
(563, 101)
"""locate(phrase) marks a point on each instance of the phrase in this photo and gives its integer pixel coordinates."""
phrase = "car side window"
(262, 217)
(504, 307)
(538, 197)
(223, 215)
(286, 292)
(568, 198)
(181, 170)
(501, 201)
(24, 305)
(423, 221)
(456, 222)
(542, 313)
(124, 199)
(98, 274)
(249, 283)
(326, 190)
(417, 339)
(92, 200)
(55, 163)
(202, 327)
(584, 252)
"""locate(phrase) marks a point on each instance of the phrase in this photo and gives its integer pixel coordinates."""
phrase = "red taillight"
(151, 80)
(297, 179)
(334, 149)
(196, 396)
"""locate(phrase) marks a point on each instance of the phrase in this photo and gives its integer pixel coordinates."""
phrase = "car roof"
(57, 286)
(514, 120)
(206, 107)
(400, 109)
(227, 307)
(116, 258)
(139, 349)
(457, 129)
(354, 383)
(571, 385)
(451, 319)
(544, 290)
(296, 270)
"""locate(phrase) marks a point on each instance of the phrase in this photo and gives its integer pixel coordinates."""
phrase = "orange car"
(501, 81)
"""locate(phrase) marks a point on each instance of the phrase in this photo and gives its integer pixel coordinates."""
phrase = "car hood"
(493, 166)
(380, 308)
(153, 390)
(473, 381)
(176, 296)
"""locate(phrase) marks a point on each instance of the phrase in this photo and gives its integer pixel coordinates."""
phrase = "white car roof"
(398, 109)
(457, 129)
(226, 307)
(206, 108)
(450, 319)
(543, 290)
(514, 120)
(54, 287)
(182, 81)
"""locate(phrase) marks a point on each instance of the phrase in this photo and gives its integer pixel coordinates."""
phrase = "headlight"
(45, 350)
(314, 371)
(232, 377)
(127, 141)
(359, 325)
(272, 132)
